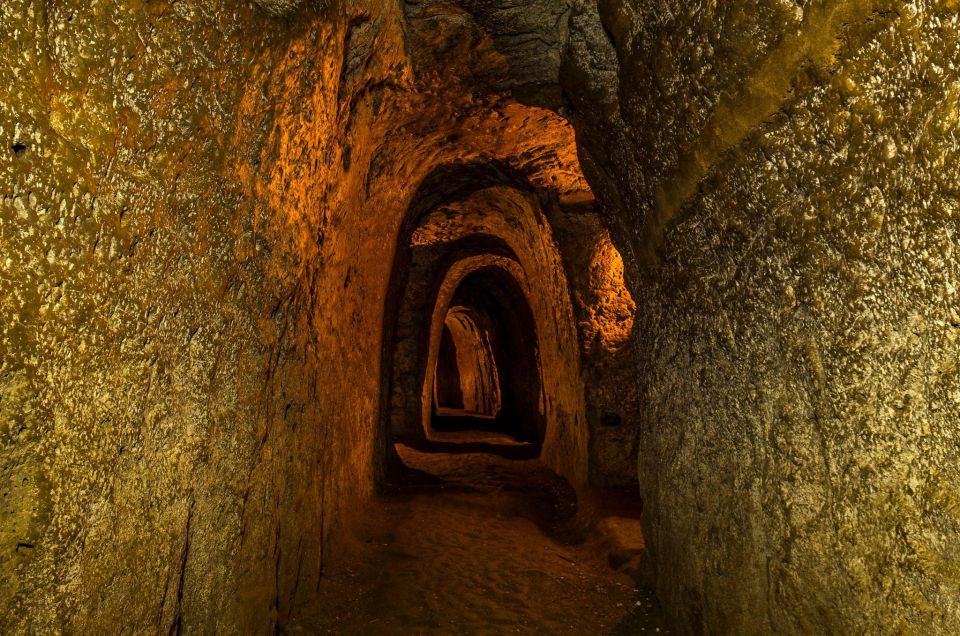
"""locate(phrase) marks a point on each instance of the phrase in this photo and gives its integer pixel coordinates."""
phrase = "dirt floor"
(474, 543)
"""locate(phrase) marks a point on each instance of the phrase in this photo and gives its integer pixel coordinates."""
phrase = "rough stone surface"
(201, 209)
(529, 35)
(786, 175)
(608, 350)
(166, 387)
(278, 7)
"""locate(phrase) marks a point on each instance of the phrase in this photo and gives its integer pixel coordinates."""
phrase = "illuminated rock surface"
(785, 175)
(226, 229)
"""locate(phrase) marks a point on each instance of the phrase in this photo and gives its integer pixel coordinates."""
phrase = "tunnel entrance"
(447, 390)
(487, 371)
(466, 381)
(480, 343)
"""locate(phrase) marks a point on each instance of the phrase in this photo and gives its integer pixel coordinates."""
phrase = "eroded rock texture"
(786, 175)
(278, 7)
(209, 228)
(159, 379)
(608, 340)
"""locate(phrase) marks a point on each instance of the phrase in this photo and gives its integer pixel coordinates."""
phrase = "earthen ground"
(474, 543)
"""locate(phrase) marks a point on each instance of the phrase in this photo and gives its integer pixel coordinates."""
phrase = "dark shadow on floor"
(646, 616)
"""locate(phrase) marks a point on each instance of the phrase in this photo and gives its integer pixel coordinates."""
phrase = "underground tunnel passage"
(479, 316)
(493, 358)
(474, 390)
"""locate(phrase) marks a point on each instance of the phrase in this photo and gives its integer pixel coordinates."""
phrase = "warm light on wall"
(612, 313)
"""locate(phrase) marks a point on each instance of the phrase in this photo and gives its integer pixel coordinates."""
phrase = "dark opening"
(467, 383)
(611, 420)
(447, 391)
(499, 380)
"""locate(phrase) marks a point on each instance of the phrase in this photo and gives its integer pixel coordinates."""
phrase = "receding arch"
(404, 419)
(447, 384)
(498, 287)
(466, 378)
(443, 184)
(485, 210)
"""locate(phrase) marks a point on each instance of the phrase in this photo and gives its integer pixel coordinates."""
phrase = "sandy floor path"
(478, 544)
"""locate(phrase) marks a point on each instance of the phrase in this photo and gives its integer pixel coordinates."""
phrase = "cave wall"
(785, 175)
(605, 316)
(200, 205)
(162, 402)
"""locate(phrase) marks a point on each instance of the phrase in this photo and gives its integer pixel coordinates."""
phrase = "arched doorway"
(491, 355)
(466, 380)
(471, 218)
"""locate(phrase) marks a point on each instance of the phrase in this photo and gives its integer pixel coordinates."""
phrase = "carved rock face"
(211, 222)
(278, 7)
(837, 290)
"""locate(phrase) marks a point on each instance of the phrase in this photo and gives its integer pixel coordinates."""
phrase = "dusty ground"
(473, 543)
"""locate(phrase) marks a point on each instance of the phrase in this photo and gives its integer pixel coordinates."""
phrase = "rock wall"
(608, 349)
(162, 402)
(785, 174)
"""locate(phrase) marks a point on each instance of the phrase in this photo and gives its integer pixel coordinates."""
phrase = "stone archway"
(496, 289)
(485, 212)
(466, 379)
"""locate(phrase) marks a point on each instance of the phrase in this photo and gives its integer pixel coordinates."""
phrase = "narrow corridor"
(480, 317)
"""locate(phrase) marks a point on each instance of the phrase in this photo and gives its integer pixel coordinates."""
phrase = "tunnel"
(479, 378)
(500, 383)
(479, 316)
